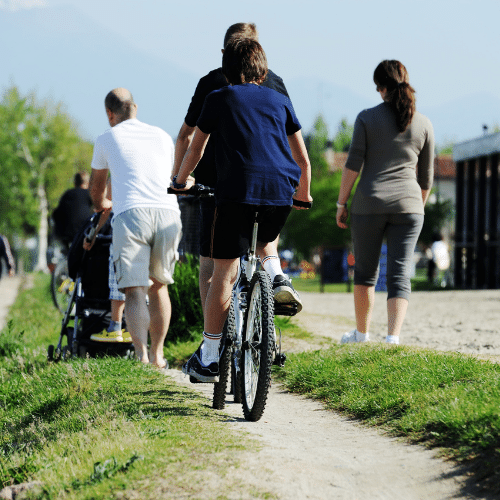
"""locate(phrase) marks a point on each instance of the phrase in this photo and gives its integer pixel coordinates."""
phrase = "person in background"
(6, 255)
(394, 144)
(74, 209)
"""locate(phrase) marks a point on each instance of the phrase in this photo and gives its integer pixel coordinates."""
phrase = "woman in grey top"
(393, 144)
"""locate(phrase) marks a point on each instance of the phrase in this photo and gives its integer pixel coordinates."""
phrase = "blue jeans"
(401, 232)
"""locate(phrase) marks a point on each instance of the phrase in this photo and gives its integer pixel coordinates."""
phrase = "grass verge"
(444, 400)
(103, 428)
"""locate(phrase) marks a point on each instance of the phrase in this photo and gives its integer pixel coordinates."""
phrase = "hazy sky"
(450, 47)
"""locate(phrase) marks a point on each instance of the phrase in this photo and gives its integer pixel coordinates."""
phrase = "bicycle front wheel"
(258, 346)
(61, 285)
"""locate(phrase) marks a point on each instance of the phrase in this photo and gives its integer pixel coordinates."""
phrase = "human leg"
(138, 320)
(271, 221)
(403, 231)
(160, 312)
(205, 278)
(367, 235)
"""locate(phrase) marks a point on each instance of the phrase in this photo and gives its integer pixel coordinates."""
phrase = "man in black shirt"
(206, 170)
(75, 207)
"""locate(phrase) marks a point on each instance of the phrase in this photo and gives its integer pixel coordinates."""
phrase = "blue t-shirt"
(254, 160)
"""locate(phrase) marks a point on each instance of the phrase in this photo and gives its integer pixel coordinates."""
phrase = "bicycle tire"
(236, 383)
(220, 387)
(62, 297)
(258, 346)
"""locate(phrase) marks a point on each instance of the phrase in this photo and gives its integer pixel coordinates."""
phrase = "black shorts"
(232, 227)
(207, 212)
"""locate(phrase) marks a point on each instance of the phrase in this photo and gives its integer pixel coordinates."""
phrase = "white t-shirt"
(140, 158)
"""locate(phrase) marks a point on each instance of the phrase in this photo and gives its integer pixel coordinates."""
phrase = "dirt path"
(310, 453)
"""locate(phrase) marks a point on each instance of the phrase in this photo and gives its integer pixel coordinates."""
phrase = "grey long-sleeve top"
(395, 166)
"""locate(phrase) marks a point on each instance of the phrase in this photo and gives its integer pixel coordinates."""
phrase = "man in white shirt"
(146, 223)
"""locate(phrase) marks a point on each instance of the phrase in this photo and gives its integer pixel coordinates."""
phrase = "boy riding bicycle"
(262, 165)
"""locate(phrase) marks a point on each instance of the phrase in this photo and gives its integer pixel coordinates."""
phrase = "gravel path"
(311, 453)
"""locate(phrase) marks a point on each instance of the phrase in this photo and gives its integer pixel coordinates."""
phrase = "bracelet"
(177, 186)
(341, 205)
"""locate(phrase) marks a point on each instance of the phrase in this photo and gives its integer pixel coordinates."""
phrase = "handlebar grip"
(302, 204)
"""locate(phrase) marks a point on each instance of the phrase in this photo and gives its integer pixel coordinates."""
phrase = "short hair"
(241, 30)
(244, 60)
(120, 103)
(81, 178)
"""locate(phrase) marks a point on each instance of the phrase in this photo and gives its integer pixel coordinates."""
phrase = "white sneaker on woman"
(354, 336)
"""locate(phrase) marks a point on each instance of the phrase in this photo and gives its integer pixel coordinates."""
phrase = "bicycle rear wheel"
(258, 346)
(61, 286)
(219, 399)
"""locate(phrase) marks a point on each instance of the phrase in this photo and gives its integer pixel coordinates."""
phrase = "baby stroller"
(89, 307)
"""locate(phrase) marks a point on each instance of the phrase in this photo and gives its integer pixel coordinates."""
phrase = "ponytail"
(392, 76)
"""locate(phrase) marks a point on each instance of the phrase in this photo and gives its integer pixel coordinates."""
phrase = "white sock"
(392, 339)
(362, 337)
(210, 348)
(272, 266)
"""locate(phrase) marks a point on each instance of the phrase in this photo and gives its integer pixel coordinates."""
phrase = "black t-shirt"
(205, 172)
(75, 207)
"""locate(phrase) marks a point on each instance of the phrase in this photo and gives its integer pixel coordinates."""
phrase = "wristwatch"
(177, 186)
(341, 205)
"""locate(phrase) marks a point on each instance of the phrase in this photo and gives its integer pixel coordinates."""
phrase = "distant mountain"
(77, 61)
(74, 60)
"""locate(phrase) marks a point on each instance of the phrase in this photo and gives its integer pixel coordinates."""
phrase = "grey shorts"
(145, 242)
(401, 232)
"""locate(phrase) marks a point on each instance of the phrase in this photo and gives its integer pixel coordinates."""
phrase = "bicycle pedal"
(194, 380)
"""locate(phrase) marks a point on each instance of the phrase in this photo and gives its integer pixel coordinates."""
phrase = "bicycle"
(61, 285)
(249, 345)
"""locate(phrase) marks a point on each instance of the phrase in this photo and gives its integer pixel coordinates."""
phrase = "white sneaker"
(392, 339)
(351, 337)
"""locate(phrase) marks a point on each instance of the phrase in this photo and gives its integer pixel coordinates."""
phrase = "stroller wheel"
(50, 353)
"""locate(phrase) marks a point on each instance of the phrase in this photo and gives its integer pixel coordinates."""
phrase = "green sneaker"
(106, 336)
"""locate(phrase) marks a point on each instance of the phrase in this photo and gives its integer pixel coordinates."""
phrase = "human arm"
(97, 188)
(425, 165)
(348, 179)
(191, 159)
(299, 154)
(88, 244)
(184, 139)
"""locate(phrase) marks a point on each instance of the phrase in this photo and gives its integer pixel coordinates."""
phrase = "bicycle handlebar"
(198, 190)
(302, 204)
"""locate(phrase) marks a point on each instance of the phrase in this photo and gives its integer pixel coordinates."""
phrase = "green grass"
(314, 285)
(102, 428)
(444, 400)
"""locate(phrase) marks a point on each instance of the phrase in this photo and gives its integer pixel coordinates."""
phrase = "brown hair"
(392, 75)
(120, 102)
(241, 30)
(244, 60)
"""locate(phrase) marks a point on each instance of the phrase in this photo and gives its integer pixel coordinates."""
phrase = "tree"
(316, 143)
(343, 138)
(40, 150)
